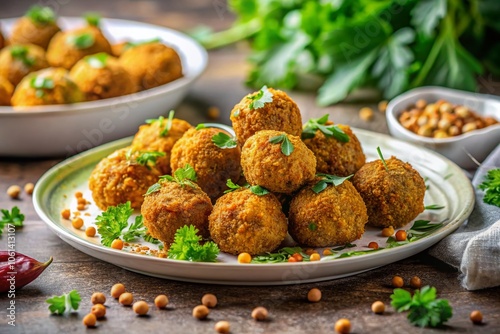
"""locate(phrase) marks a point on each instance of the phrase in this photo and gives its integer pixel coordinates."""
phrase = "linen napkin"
(474, 248)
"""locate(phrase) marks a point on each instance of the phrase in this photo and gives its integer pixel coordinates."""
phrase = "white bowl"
(462, 149)
(63, 130)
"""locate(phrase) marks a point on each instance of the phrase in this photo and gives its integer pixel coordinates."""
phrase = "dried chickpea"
(298, 257)
(209, 300)
(259, 313)
(117, 290)
(397, 282)
(366, 114)
(343, 326)
(327, 252)
(421, 104)
(222, 327)
(89, 320)
(98, 298)
(401, 235)
(382, 106)
(14, 191)
(292, 259)
(28, 188)
(244, 258)
(453, 130)
(66, 213)
(77, 223)
(425, 130)
(468, 127)
(81, 207)
(141, 307)
(378, 307)
(445, 108)
(98, 310)
(90, 231)
(416, 282)
(310, 251)
(161, 301)
(200, 312)
(388, 231)
(78, 194)
(476, 317)
(373, 245)
(440, 134)
(314, 257)
(314, 295)
(117, 244)
(462, 111)
(81, 200)
(126, 299)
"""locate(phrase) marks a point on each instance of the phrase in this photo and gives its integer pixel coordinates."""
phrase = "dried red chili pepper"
(17, 270)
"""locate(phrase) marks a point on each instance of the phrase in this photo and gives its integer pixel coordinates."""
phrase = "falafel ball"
(6, 90)
(156, 136)
(37, 26)
(172, 207)
(242, 221)
(213, 165)
(68, 47)
(393, 197)
(265, 164)
(47, 86)
(281, 114)
(335, 157)
(118, 178)
(335, 216)
(152, 64)
(17, 61)
(100, 76)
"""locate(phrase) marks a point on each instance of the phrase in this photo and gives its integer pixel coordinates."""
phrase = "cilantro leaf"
(81, 41)
(259, 99)
(232, 186)
(148, 158)
(259, 191)
(41, 15)
(13, 217)
(222, 140)
(111, 223)
(320, 124)
(328, 179)
(187, 246)
(491, 185)
(286, 145)
(154, 188)
(64, 304)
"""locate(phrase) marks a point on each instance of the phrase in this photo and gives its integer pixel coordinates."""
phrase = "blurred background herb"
(337, 46)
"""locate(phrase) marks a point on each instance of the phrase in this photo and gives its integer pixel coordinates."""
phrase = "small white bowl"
(462, 149)
(64, 130)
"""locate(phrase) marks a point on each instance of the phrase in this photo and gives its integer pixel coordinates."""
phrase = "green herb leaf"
(129, 45)
(111, 223)
(81, 41)
(13, 217)
(286, 145)
(491, 185)
(232, 186)
(187, 246)
(148, 158)
(426, 15)
(135, 230)
(42, 83)
(312, 227)
(154, 188)
(222, 140)
(381, 156)
(41, 15)
(433, 207)
(259, 99)
(328, 179)
(21, 53)
(200, 126)
(97, 60)
(150, 239)
(281, 255)
(332, 130)
(93, 19)
(65, 303)
(259, 191)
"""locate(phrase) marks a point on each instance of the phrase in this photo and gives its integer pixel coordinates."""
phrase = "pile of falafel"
(269, 180)
(42, 65)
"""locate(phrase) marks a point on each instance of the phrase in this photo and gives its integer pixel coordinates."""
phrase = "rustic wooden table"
(221, 86)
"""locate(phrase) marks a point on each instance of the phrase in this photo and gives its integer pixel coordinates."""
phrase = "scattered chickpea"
(476, 317)
(327, 252)
(141, 307)
(343, 326)
(117, 290)
(382, 106)
(244, 258)
(397, 282)
(117, 244)
(89, 320)
(81, 200)
(378, 307)
(126, 299)
(81, 207)
(416, 282)
(90, 231)
(14, 191)
(421, 104)
(259, 313)
(388, 231)
(314, 257)
(66, 213)
(78, 194)
(28, 188)
(200, 312)
(161, 301)
(310, 251)
(222, 327)
(98, 298)
(314, 295)
(77, 223)
(298, 257)
(366, 114)
(373, 245)
(209, 300)
(292, 259)
(213, 112)
(401, 235)
(98, 310)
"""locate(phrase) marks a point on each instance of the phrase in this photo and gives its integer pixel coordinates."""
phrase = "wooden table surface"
(221, 86)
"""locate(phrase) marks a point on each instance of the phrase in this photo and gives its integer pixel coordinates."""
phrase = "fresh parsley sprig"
(329, 131)
(327, 179)
(64, 304)
(259, 99)
(14, 217)
(200, 126)
(164, 129)
(257, 190)
(424, 309)
(187, 246)
(148, 158)
(286, 145)
(183, 176)
(222, 140)
(491, 185)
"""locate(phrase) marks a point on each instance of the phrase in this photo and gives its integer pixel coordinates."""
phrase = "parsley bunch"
(14, 217)
(187, 246)
(320, 124)
(491, 185)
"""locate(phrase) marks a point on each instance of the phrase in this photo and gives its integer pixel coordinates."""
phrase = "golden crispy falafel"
(38, 26)
(393, 197)
(242, 221)
(68, 47)
(335, 216)
(16, 61)
(47, 86)
(119, 178)
(335, 157)
(152, 64)
(281, 114)
(213, 165)
(100, 76)
(265, 164)
(158, 136)
(6, 90)
(174, 206)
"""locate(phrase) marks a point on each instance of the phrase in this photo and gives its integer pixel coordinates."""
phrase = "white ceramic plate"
(448, 186)
(63, 130)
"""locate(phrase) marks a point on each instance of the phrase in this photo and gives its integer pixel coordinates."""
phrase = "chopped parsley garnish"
(491, 185)
(81, 41)
(424, 309)
(112, 222)
(222, 140)
(312, 227)
(164, 127)
(382, 158)
(41, 15)
(329, 131)
(328, 179)
(256, 190)
(201, 126)
(259, 99)
(65, 303)
(434, 207)
(183, 176)
(40, 84)
(187, 246)
(259, 191)
(97, 60)
(93, 19)
(281, 255)
(21, 53)
(13, 217)
(232, 186)
(286, 144)
(148, 158)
